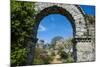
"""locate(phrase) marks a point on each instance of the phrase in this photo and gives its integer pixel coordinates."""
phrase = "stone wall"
(85, 49)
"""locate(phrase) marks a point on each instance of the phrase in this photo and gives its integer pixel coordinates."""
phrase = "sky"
(90, 10)
(58, 25)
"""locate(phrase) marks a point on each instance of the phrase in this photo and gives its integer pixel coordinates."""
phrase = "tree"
(21, 28)
(66, 57)
(65, 50)
(53, 41)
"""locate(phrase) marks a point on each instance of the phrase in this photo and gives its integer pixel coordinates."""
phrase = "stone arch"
(54, 10)
(75, 14)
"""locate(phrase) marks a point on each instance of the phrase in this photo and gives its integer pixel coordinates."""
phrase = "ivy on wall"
(21, 27)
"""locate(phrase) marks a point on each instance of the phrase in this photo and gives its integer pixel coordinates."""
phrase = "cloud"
(42, 28)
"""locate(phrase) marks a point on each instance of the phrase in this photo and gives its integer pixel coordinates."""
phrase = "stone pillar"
(31, 51)
(85, 49)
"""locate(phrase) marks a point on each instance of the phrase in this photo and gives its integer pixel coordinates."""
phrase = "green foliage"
(41, 57)
(48, 59)
(69, 59)
(38, 61)
(53, 54)
(37, 58)
(18, 56)
(66, 57)
(21, 28)
(63, 55)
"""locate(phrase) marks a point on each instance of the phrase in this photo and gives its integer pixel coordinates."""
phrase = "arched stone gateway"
(83, 48)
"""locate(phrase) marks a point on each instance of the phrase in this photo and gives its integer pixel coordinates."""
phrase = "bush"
(41, 57)
(66, 57)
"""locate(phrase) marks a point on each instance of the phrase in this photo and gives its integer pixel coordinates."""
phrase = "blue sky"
(58, 25)
(54, 25)
(90, 10)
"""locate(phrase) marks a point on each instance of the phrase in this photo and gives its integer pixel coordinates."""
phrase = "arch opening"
(54, 26)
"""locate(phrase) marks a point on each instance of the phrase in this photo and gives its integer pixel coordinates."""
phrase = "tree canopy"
(57, 38)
